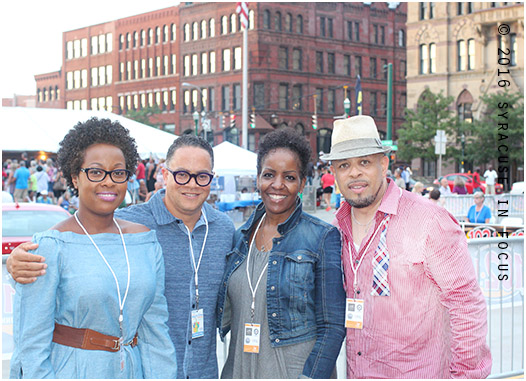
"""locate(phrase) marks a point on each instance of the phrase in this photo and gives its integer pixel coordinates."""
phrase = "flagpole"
(245, 87)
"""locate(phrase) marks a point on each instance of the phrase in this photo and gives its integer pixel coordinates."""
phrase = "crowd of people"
(142, 291)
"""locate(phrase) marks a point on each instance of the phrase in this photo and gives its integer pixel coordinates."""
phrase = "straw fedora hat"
(354, 137)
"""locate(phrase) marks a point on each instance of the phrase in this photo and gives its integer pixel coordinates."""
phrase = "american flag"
(242, 10)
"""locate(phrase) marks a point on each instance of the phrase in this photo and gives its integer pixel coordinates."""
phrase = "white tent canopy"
(42, 129)
(232, 160)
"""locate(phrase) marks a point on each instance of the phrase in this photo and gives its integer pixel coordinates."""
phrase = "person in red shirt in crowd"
(140, 172)
(408, 315)
(476, 180)
(327, 184)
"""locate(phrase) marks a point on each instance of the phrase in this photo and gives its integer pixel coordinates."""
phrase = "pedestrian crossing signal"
(232, 120)
(252, 120)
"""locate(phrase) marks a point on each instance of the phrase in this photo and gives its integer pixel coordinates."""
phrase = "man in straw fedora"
(414, 307)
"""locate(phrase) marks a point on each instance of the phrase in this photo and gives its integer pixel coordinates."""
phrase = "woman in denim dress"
(282, 294)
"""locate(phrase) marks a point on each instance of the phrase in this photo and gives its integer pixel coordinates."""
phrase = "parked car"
(21, 221)
(468, 178)
(517, 188)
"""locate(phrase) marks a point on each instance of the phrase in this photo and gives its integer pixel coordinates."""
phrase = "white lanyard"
(196, 268)
(121, 303)
(355, 270)
(254, 290)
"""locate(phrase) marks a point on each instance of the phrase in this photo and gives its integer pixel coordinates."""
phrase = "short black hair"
(435, 194)
(85, 134)
(189, 140)
(286, 138)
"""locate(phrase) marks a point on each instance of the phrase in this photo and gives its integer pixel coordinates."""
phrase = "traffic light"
(392, 156)
(222, 121)
(232, 120)
(252, 120)
(315, 121)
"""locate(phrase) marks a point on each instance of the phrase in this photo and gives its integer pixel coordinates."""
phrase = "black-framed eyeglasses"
(97, 175)
(202, 179)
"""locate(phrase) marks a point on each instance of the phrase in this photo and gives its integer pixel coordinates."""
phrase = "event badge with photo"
(252, 334)
(354, 313)
(198, 327)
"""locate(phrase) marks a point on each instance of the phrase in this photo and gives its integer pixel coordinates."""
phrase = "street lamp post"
(195, 115)
(274, 120)
(463, 142)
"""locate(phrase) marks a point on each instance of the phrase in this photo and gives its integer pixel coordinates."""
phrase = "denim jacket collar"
(283, 228)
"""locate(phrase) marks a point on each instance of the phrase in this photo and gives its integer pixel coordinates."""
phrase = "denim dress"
(78, 290)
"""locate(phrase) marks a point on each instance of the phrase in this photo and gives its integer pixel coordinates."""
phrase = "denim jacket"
(305, 296)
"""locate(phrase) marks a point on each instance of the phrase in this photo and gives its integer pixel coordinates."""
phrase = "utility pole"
(390, 101)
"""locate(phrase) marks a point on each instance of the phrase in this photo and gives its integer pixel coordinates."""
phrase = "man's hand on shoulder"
(25, 267)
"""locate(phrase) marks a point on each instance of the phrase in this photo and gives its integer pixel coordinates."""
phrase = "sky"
(31, 34)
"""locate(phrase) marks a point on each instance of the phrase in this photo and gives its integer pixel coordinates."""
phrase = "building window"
(422, 10)
(460, 8)
(432, 58)
(204, 63)
(236, 101)
(330, 28)
(384, 68)
(358, 63)
(471, 54)
(224, 25)
(330, 63)
(186, 101)
(356, 31)
(331, 101)
(347, 64)
(225, 65)
(299, 24)
(94, 45)
(284, 96)
(186, 67)
(173, 28)
(128, 40)
(237, 58)
(212, 62)
(403, 70)
(233, 23)
(266, 19)
(157, 34)
(372, 67)
(431, 10)
(121, 45)
(204, 28)
(322, 26)
(470, 7)
(461, 55)
(382, 35)
(375, 33)
(401, 37)
(297, 59)
(212, 28)
(277, 22)
(259, 95)
(211, 99)
(349, 30)
(373, 103)
(319, 99)
(283, 58)
(94, 76)
(225, 98)
(513, 48)
(194, 64)
(195, 31)
(383, 104)
(297, 94)
(174, 64)
(319, 62)
(288, 23)
(424, 57)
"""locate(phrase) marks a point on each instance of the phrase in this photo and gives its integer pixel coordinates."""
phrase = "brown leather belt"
(85, 338)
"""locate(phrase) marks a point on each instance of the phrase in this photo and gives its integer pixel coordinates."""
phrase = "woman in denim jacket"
(282, 293)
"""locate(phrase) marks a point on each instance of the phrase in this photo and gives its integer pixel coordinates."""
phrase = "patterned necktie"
(381, 263)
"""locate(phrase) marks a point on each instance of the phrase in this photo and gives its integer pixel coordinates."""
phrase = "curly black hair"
(290, 139)
(189, 140)
(70, 156)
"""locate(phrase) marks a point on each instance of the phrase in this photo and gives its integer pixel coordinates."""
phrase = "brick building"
(189, 58)
(453, 47)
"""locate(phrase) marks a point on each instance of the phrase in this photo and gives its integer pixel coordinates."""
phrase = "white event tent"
(42, 129)
(232, 160)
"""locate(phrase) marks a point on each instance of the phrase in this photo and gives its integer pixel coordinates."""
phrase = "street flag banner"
(242, 10)
(358, 93)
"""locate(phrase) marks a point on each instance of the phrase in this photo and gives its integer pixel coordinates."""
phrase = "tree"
(416, 137)
(486, 136)
(144, 115)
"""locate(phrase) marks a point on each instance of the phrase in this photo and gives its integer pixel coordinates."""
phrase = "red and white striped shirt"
(434, 323)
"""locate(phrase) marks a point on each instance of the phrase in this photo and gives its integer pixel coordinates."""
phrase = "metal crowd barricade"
(502, 283)
(458, 205)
